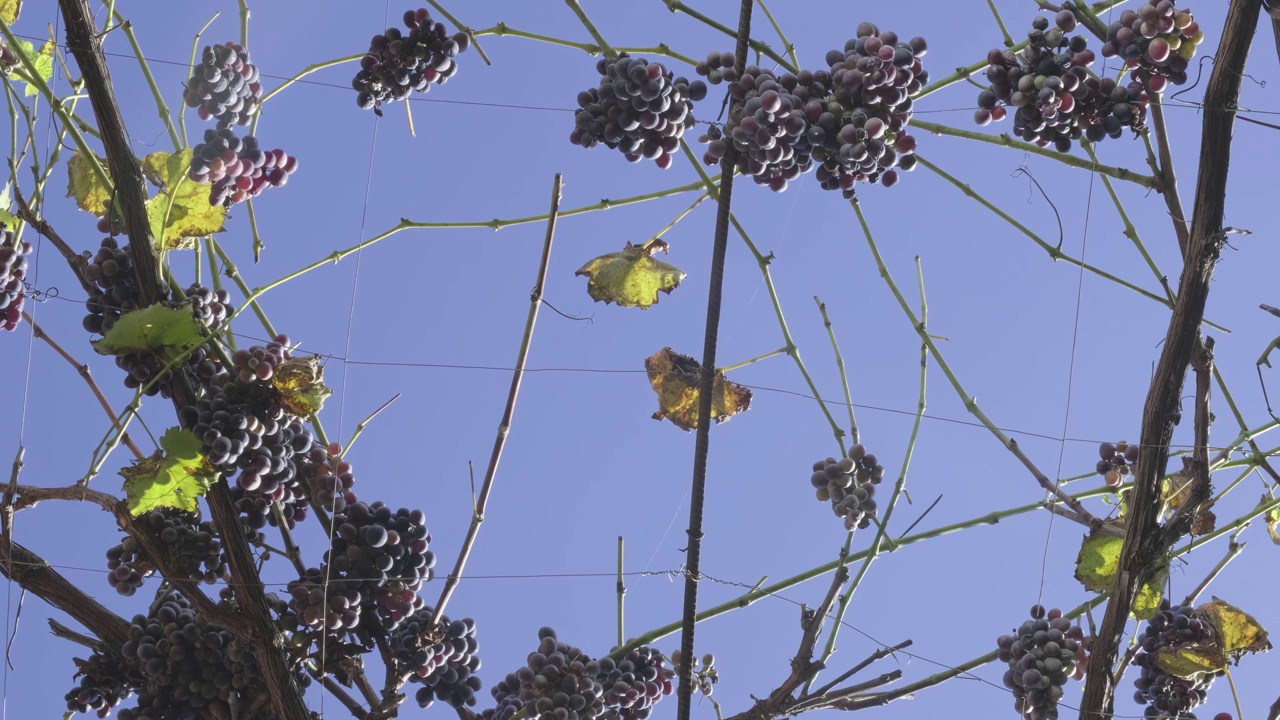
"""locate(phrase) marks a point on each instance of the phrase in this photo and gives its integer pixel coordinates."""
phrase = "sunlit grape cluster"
(13, 273)
(442, 658)
(1167, 696)
(1156, 41)
(237, 168)
(224, 85)
(1041, 655)
(850, 485)
(400, 62)
(1055, 99)
(639, 108)
(1116, 461)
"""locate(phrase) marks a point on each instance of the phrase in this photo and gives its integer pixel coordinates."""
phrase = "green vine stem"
(854, 435)
(622, 593)
(754, 594)
(1005, 140)
(463, 28)
(502, 30)
(1008, 40)
(576, 7)
(360, 426)
(1080, 514)
(495, 224)
(191, 65)
(899, 487)
(1054, 253)
(314, 67)
(161, 108)
(1130, 231)
(787, 46)
(244, 23)
(758, 358)
(250, 296)
(756, 45)
(677, 219)
(763, 261)
(1167, 175)
(258, 245)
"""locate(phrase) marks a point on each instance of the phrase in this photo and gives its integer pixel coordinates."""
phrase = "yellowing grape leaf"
(1176, 488)
(180, 212)
(1191, 660)
(43, 60)
(1096, 567)
(1273, 519)
(83, 185)
(1237, 631)
(631, 277)
(159, 329)
(300, 382)
(677, 378)
(10, 9)
(174, 477)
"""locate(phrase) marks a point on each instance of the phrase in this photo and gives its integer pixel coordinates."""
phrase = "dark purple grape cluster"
(871, 81)
(1165, 695)
(1056, 98)
(116, 291)
(1041, 655)
(259, 362)
(237, 168)
(399, 63)
(193, 545)
(635, 683)
(850, 485)
(1156, 41)
(325, 604)
(210, 308)
(8, 58)
(770, 130)
(384, 554)
(442, 658)
(224, 85)
(640, 109)
(105, 680)
(13, 274)
(1116, 461)
(560, 682)
(327, 478)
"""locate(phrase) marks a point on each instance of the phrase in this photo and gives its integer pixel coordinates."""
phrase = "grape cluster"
(1167, 696)
(635, 683)
(116, 291)
(105, 680)
(237, 168)
(704, 673)
(224, 85)
(384, 554)
(1041, 657)
(327, 479)
(1057, 99)
(399, 63)
(8, 58)
(442, 658)
(770, 130)
(850, 484)
(871, 89)
(185, 664)
(717, 68)
(193, 545)
(1156, 41)
(1117, 461)
(333, 610)
(13, 272)
(560, 682)
(639, 108)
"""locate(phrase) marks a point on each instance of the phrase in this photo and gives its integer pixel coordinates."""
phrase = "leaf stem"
(622, 592)
(576, 7)
(756, 45)
(463, 28)
(1233, 549)
(191, 66)
(1129, 230)
(677, 219)
(250, 297)
(244, 23)
(360, 427)
(161, 108)
(787, 46)
(1008, 41)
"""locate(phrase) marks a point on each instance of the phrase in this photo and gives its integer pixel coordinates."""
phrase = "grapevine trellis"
(248, 457)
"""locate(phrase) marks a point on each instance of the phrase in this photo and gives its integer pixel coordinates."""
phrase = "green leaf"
(1096, 567)
(43, 61)
(631, 277)
(9, 10)
(181, 212)
(677, 381)
(174, 478)
(159, 329)
(9, 219)
(300, 383)
(83, 185)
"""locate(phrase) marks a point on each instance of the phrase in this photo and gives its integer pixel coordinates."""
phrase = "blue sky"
(584, 462)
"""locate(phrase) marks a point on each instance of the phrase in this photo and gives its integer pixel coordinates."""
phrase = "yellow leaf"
(10, 9)
(677, 378)
(181, 212)
(1237, 631)
(300, 382)
(631, 277)
(1096, 567)
(84, 185)
(1190, 660)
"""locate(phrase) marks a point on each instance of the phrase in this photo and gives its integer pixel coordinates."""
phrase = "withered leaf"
(676, 379)
(631, 277)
